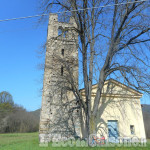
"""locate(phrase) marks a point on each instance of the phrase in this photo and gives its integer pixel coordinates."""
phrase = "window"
(132, 129)
(65, 34)
(62, 70)
(59, 31)
(62, 52)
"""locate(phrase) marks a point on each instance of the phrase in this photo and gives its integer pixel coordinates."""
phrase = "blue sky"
(19, 42)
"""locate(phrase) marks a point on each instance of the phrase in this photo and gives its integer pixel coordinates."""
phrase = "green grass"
(29, 141)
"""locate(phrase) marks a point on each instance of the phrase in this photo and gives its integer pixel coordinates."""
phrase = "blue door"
(113, 131)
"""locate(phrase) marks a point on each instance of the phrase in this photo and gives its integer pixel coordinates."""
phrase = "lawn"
(29, 141)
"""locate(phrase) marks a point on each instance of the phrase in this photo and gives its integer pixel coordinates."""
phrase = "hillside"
(36, 113)
(146, 117)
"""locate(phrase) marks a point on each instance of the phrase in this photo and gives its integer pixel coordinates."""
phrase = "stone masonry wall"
(57, 113)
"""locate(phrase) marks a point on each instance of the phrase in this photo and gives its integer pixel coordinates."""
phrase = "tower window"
(59, 31)
(65, 34)
(62, 70)
(62, 52)
(132, 129)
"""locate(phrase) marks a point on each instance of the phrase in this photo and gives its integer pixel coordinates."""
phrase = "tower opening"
(62, 52)
(60, 31)
(62, 70)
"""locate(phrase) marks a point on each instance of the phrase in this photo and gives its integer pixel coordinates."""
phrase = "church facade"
(120, 113)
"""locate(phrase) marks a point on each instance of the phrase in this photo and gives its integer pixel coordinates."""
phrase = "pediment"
(115, 88)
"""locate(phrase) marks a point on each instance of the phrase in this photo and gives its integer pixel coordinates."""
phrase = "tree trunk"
(92, 124)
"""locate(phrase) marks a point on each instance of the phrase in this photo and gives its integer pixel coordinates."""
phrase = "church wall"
(126, 112)
(121, 105)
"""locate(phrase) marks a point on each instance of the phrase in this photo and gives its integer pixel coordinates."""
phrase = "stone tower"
(57, 99)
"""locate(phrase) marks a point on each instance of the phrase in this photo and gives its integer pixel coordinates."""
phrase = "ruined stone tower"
(57, 100)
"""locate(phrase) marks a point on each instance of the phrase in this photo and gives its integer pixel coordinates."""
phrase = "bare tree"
(113, 43)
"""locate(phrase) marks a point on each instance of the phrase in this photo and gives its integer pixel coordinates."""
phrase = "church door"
(113, 131)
